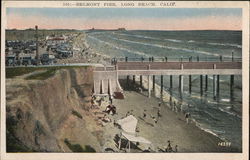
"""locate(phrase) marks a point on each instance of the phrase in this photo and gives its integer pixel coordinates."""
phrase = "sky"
(129, 18)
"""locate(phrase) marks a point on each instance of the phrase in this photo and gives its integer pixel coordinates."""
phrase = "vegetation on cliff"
(45, 106)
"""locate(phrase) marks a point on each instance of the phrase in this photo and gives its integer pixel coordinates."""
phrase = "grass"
(13, 144)
(76, 114)
(42, 76)
(49, 71)
(13, 72)
(78, 147)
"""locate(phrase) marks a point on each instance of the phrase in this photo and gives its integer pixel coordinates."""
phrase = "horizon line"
(96, 29)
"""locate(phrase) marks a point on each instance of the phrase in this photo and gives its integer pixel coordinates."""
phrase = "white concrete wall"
(108, 79)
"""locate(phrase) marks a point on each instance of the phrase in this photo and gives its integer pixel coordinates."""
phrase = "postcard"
(124, 79)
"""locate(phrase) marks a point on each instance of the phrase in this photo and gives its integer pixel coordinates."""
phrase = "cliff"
(52, 115)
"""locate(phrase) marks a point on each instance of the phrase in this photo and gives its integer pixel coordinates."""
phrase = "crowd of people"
(147, 115)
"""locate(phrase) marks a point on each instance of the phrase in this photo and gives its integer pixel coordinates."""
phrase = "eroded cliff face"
(50, 115)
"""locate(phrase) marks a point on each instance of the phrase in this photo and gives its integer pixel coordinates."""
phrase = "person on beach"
(99, 102)
(159, 104)
(127, 114)
(111, 99)
(147, 150)
(144, 113)
(140, 89)
(110, 109)
(92, 101)
(159, 112)
(131, 112)
(154, 119)
(187, 116)
(173, 106)
(169, 147)
(106, 119)
(176, 148)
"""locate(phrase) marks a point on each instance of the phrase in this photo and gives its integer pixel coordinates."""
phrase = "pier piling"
(201, 85)
(181, 84)
(141, 81)
(218, 86)
(128, 81)
(190, 84)
(153, 82)
(206, 82)
(101, 87)
(214, 86)
(232, 88)
(171, 89)
(171, 82)
(161, 84)
(149, 86)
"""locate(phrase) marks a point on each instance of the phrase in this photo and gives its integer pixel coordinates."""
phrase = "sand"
(85, 53)
(171, 126)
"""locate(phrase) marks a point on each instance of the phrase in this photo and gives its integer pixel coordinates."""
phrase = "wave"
(225, 100)
(179, 41)
(228, 112)
(174, 40)
(199, 125)
(147, 37)
(218, 44)
(226, 44)
(119, 48)
(210, 115)
(168, 47)
(138, 36)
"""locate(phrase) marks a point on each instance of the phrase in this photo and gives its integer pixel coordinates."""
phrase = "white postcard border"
(147, 156)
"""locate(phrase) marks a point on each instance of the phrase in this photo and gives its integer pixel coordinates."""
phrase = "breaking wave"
(167, 47)
(119, 48)
(180, 41)
(226, 44)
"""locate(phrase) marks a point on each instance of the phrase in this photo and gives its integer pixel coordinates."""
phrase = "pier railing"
(170, 66)
(177, 59)
(177, 65)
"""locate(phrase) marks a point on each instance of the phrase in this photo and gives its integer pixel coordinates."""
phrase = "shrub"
(78, 147)
(76, 114)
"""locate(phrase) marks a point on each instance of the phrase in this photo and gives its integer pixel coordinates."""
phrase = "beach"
(81, 124)
(171, 126)
(221, 117)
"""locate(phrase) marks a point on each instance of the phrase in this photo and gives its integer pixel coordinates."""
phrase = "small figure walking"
(111, 99)
(159, 112)
(187, 116)
(155, 120)
(159, 104)
(144, 113)
(127, 114)
(174, 105)
(176, 148)
(169, 147)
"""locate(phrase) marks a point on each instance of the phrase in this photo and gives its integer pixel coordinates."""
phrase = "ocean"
(221, 117)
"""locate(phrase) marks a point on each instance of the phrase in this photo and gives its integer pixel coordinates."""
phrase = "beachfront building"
(52, 40)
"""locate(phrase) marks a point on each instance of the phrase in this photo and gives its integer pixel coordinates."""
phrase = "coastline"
(171, 126)
(185, 133)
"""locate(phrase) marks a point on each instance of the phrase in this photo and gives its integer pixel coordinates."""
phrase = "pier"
(181, 69)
